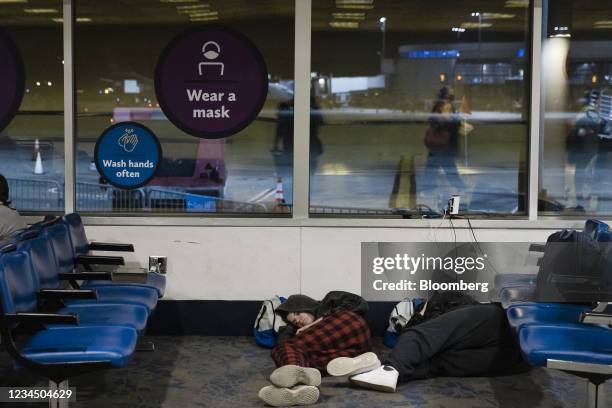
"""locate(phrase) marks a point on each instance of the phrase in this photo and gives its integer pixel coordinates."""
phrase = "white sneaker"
(284, 397)
(383, 378)
(350, 366)
(290, 375)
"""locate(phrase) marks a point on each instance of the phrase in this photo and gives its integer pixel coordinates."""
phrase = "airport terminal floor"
(328, 203)
(196, 371)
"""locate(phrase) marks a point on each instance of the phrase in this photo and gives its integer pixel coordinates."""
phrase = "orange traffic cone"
(279, 198)
(36, 150)
(38, 167)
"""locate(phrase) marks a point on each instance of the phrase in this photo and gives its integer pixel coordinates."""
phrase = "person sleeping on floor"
(450, 335)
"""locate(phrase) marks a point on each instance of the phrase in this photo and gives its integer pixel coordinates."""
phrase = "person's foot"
(383, 378)
(284, 397)
(356, 365)
(290, 375)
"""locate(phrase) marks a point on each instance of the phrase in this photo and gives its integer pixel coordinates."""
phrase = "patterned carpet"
(196, 371)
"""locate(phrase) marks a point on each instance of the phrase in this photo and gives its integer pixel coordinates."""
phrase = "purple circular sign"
(211, 82)
(12, 82)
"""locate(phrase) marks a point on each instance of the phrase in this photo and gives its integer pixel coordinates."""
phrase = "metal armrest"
(536, 248)
(596, 318)
(42, 318)
(67, 294)
(99, 260)
(86, 276)
(106, 246)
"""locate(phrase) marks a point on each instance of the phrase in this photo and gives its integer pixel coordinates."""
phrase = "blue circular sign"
(127, 155)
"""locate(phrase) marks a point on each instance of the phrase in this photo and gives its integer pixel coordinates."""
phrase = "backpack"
(400, 315)
(268, 322)
(569, 268)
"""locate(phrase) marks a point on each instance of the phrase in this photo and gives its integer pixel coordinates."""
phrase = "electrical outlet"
(158, 264)
(453, 205)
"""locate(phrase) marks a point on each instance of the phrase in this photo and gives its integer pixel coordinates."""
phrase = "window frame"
(300, 216)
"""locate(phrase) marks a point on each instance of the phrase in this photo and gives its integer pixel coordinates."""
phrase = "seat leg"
(57, 402)
(596, 395)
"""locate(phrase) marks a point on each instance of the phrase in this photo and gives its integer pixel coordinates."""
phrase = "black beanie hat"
(297, 304)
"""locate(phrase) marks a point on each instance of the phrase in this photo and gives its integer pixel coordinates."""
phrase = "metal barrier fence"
(102, 197)
(36, 195)
(48, 195)
(328, 210)
(164, 200)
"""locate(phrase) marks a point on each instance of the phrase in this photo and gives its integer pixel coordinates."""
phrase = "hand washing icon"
(128, 140)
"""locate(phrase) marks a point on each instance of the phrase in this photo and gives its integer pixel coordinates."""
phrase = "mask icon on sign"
(211, 51)
(128, 140)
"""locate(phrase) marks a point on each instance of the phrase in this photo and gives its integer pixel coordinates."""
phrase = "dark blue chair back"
(44, 264)
(80, 244)
(18, 286)
(59, 237)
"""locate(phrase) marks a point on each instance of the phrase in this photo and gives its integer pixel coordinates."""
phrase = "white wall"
(252, 263)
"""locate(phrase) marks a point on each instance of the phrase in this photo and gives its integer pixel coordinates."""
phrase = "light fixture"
(475, 25)
(78, 20)
(476, 14)
(204, 14)
(349, 16)
(211, 18)
(517, 4)
(603, 24)
(344, 24)
(497, 16)
(355, 4)
(40, 10)
(382, 20)
(49, 83)
(188, 9)
(458, 30)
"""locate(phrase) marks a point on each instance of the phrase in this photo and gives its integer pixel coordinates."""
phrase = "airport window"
(117, 48)
(31, 105)
(413, 102)
(577, 98)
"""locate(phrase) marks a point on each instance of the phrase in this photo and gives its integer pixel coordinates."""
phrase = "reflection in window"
(577, 81)
(415, 102)
(118, 43)
(32, 145)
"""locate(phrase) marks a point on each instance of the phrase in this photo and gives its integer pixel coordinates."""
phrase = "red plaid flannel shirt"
(338, 334)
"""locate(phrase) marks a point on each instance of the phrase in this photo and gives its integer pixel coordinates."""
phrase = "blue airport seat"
(579, 343)
(109, 314)
(517, 294)
(81, 244)
(114, 344)
(41, 249)
(81, 247)
(58, 351)
(525, 313)
(118, 294)
(595, 228)
(92, 311)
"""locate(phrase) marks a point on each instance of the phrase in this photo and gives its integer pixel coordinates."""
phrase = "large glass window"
(118, 44)
(32, 144)
(414, 102)
(576, 155)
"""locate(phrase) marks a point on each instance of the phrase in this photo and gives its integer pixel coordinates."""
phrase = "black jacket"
(438, 304)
